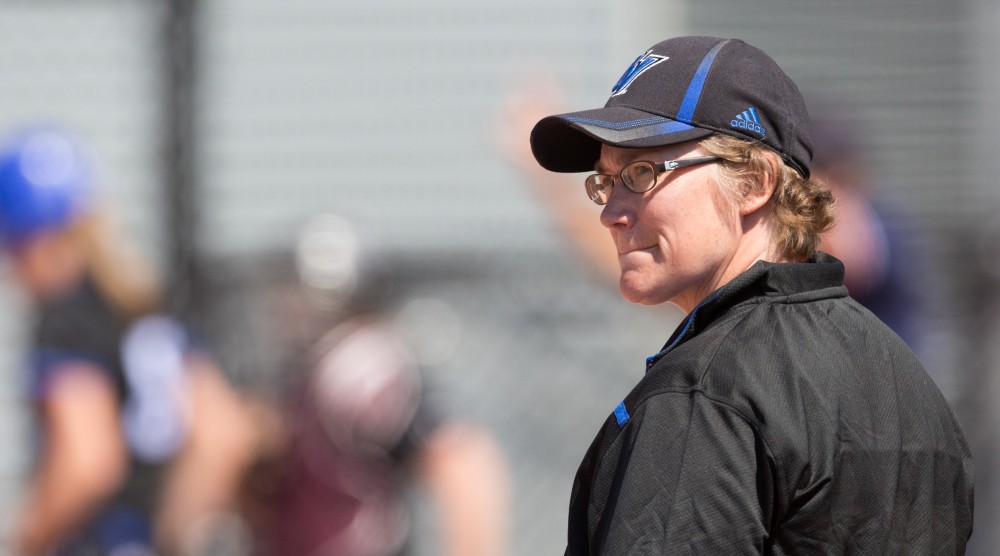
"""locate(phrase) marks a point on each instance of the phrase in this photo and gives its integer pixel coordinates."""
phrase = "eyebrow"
(601, 169)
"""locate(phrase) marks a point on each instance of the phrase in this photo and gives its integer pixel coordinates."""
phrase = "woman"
(781, 417)
(119, 393)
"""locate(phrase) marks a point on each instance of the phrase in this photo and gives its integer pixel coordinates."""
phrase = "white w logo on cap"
(641, 64)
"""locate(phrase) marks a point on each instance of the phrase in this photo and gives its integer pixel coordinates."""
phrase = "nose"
(618, 212)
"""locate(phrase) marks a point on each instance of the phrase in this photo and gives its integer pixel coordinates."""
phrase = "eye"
(639, 176)
(599, 187)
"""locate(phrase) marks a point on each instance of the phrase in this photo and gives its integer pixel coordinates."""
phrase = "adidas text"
(748, 126)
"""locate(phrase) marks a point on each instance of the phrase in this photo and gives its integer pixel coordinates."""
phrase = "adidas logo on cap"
(748, 120)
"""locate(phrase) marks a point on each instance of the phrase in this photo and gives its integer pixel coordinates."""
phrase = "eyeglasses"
(639, 176)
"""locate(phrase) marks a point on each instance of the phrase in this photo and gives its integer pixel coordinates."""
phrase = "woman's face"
(675, 242)
(48, 263)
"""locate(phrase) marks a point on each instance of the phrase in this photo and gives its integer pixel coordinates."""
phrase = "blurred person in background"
(883, 269)
(134, 424)
(356, 428)
(536, 96)
(781, 416)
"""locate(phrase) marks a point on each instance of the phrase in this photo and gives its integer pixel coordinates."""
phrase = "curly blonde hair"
(802, 208)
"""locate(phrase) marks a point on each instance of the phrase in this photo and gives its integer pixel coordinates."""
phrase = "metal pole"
(180, 149)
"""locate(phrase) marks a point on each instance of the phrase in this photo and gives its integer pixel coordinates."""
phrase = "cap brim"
(572, 142)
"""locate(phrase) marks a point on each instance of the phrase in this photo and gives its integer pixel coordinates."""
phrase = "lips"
(626, 251)
(627, 243)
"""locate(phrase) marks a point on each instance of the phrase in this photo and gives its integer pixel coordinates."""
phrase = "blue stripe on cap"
(693, 93)
(621, 414)
(671, 127)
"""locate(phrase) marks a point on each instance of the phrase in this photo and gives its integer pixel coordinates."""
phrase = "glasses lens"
(639, 176)
(599, 187)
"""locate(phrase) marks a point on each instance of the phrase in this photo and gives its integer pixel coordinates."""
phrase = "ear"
(757, 197)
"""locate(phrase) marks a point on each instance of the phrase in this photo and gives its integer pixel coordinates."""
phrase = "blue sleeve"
(45, 365)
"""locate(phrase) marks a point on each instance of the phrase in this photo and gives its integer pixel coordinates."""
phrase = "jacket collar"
(820, 277)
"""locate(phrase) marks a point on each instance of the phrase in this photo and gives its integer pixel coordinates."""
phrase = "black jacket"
(780, 418)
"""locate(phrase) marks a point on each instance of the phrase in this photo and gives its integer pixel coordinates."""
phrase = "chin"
(634, 293)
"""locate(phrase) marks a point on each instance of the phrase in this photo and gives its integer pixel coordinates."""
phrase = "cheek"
(679, 227)
(31, 262)
(24, 267)
(696, 232)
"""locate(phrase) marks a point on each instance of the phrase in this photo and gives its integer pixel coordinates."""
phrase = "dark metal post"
(180, 149)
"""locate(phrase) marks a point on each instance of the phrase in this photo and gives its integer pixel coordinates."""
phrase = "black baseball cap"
(680, 90)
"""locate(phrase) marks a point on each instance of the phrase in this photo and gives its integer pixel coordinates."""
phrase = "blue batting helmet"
(44, 180)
